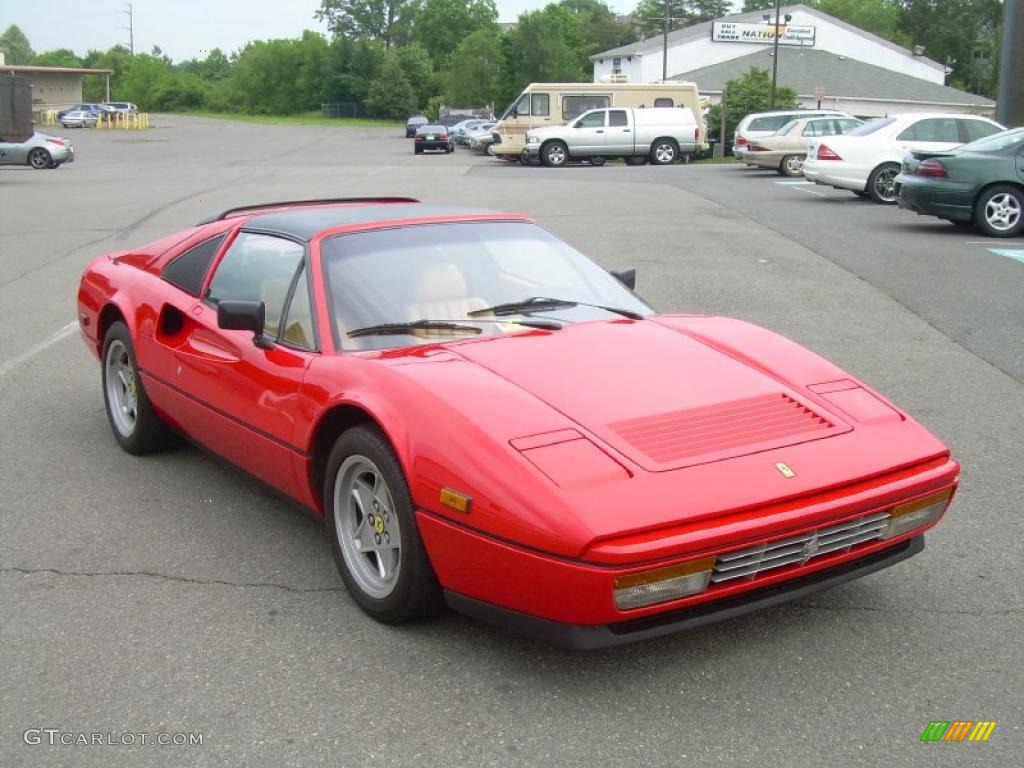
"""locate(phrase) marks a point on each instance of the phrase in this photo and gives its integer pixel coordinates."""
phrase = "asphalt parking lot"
(173, 594)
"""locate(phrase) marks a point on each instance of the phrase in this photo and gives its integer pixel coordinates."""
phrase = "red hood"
(661, 398)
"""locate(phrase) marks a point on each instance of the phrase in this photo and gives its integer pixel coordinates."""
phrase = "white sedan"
(867, 159)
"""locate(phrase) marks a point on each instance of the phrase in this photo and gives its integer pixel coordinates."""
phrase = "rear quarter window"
(188, 269)
(769, 123)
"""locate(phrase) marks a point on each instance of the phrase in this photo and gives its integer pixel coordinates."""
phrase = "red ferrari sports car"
(485, 418)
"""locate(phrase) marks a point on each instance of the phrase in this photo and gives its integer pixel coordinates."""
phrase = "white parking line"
(24, 357)
(810, 191)
(794, 183)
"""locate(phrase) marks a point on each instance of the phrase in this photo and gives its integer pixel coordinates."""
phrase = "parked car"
(94, 108)
(461, 130)
(980, 183)
(757, 125)
(660, 134)
(124, 107)
(41, 151)
(433, 137)
(423, 362)
(867, 159)
(785, 150)
(79, 118)
(450, 121)
(413, 124)
(482, 139)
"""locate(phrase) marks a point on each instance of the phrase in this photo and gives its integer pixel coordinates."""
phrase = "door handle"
(625, 130)
(599, 130)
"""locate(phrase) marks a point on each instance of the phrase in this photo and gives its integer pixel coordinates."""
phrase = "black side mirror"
(625, 275)
(244, 316)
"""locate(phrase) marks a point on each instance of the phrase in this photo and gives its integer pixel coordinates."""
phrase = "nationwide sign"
(741, 32)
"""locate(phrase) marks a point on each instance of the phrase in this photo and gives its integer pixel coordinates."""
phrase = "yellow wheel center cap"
(378, 524)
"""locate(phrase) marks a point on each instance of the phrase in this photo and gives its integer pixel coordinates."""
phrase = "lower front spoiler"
(582, 637)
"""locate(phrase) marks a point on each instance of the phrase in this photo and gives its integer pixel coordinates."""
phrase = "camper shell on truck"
(659, 135)
(541, 105)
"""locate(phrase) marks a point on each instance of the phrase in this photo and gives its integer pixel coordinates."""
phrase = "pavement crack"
(167, 577)
(903, 611)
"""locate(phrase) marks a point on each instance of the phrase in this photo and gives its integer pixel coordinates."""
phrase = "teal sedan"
(979, 184)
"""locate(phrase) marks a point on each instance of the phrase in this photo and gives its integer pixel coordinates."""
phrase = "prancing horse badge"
(784, 470)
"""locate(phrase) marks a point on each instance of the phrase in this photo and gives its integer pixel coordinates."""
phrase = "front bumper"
(588, 637)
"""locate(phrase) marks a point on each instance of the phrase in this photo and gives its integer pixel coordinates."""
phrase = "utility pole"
(1010, 106)
(664, 51)
(775, 54)
(130, 29)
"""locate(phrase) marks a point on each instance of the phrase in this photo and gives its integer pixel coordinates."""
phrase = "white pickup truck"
(658, 134)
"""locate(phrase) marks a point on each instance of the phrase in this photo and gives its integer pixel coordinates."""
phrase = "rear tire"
(664, 152)
(372, 525)
(554, 154)
(999, 211)
(792, 165)
(39, 159)
(881, 187)
(136, 427)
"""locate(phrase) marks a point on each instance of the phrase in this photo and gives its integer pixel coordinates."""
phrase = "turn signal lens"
(914, 514)
(660, 585)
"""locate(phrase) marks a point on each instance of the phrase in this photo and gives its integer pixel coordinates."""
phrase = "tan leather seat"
(441, 294)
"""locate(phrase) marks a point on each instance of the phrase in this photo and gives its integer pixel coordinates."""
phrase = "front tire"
(664, 152)
(374, 538)
(792, 165)
(999, 211)
(39, 159)
(881, 183)
(554, 154)
(136, 427)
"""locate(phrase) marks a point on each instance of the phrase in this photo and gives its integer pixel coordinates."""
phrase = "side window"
(943, 129)
(523, 105)
(574, 106)
(617, 118)
(664, 102)
(297, 328)
(188, 270)
(257, 268)
(541, 104)
(978, 129)
(812, 128)
(845, 126)
(593, 120)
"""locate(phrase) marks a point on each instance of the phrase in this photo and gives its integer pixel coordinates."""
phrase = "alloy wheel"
(1003, 212)
(122, 389)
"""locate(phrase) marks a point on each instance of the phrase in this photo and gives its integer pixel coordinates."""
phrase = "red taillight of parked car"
(931, 168)
(824, 153)
(57, 142)
(443, 137)
(758, 148)
(418, 137)
(741, 141)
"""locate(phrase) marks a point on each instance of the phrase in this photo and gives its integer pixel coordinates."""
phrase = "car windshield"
(432, 129)
(445, 271)
(786, 128)
(871, 126)
(996, 141)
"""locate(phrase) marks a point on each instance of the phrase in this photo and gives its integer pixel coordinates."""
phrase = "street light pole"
(664, 51)
(775, 54)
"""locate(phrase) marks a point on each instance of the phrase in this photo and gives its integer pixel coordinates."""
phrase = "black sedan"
(413, 124)
(434, 137)
(981, 183)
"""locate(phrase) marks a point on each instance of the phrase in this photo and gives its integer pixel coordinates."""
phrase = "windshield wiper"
(546, 304)
(410, 328)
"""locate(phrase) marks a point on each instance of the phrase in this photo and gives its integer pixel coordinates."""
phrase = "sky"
(183, 28)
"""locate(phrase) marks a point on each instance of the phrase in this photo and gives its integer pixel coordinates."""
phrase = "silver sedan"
(41, 151)
(78, 118)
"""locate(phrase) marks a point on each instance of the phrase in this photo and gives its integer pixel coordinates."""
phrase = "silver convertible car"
(41, 151)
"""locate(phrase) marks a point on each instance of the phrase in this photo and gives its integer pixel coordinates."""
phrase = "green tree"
(536, 52)
(475, 71)
(383, 20)
(597, 29)
(18, 49)
(415, 63)
(650, 16)
(391, 96)
(882, 17)
(750, 93)
(440, 25)
(61, 57)
(756, 5)
(708, 10)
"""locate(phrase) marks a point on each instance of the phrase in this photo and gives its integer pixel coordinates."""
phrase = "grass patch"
(303, 118)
